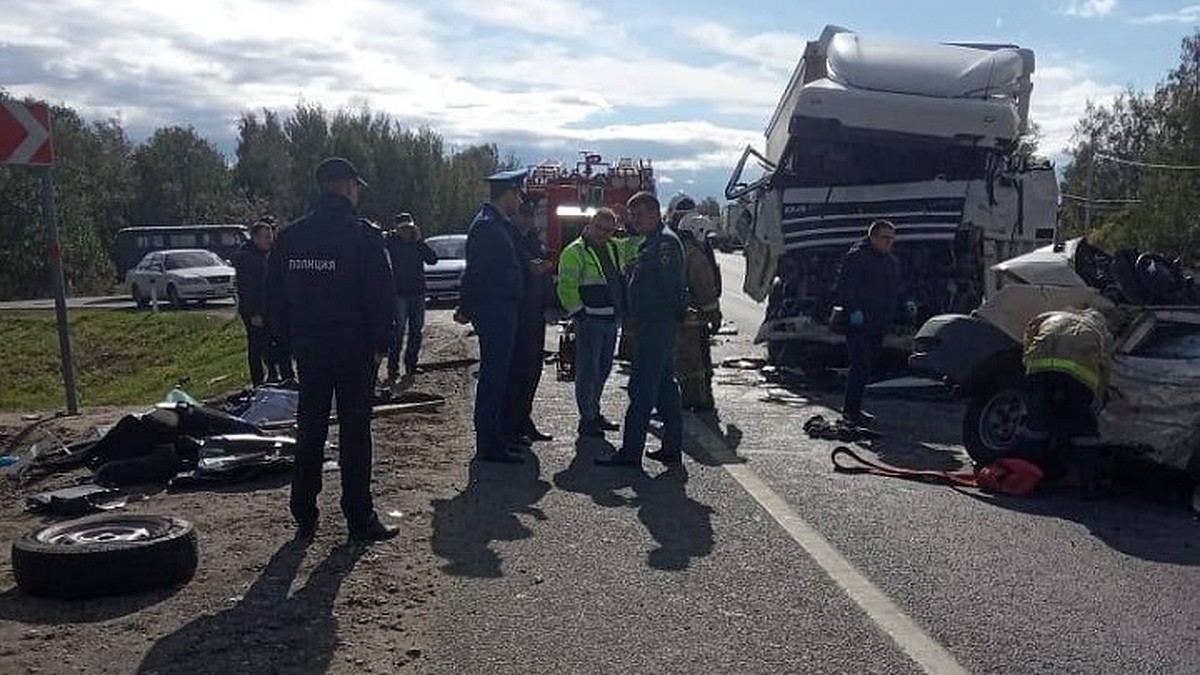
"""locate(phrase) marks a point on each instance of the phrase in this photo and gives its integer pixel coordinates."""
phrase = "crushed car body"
(1153, 401)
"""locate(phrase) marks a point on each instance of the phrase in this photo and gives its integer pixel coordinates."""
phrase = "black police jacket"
(409, 259)
(250, 264)
(869, 282)
(495, 272)
(329, 285)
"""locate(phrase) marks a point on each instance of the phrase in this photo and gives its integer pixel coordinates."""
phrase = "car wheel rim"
(122, 530)
(1000, 421)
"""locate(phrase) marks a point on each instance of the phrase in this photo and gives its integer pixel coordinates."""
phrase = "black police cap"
(333, 169)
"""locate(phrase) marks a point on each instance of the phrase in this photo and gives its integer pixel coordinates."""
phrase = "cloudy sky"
(687, 83)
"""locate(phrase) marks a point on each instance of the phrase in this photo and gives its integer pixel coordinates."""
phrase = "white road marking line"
(903, 630)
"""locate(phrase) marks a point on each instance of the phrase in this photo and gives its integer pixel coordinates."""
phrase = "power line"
(1147, 165)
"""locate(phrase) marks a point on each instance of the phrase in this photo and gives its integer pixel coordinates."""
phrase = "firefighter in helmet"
(693, 352)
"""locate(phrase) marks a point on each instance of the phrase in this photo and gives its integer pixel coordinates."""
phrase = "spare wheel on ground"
(108, 554)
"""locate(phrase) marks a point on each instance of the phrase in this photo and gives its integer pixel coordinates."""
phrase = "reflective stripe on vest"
(1079, 372)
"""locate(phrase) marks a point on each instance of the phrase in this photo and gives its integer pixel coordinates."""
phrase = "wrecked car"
(1153, 401)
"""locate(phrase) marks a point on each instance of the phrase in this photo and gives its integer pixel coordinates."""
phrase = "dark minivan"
(133, 243)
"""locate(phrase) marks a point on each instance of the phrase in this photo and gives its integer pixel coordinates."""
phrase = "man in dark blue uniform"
(329, 295)
(490, 298)
(657, 304)
(868, 287)
(517, 414)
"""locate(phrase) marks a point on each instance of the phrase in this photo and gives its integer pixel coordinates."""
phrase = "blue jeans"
(595, 344)
(410, 315)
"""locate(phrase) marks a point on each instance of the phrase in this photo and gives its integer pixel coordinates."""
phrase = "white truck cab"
(928, 136)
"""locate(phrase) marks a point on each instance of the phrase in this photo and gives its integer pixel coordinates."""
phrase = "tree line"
(105, 182)
(1133, 179)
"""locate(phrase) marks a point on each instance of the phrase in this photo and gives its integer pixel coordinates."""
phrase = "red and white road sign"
(25, 134)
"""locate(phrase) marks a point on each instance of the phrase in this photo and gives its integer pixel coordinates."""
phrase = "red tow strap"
(955, 478)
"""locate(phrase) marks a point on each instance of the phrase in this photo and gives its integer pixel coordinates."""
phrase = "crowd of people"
(338, 294)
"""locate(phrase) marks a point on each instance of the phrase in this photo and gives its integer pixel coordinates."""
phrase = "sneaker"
(376, 531)
(502, 457)
(608, 425)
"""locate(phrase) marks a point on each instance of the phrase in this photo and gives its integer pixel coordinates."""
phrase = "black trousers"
(268, 359)
(526, 373)
(324, 373)
(864, 347)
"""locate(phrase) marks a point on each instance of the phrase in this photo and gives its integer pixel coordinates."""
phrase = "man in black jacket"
(868, 288)
(409, 254)
(329, 295)
(250, 264)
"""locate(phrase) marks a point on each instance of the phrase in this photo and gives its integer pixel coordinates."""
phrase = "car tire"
(173, 297)
(140, 300)
(992, 424)
(105, 555)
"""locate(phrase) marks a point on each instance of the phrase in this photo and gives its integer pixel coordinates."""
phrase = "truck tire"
(105, 555)
(992, 424)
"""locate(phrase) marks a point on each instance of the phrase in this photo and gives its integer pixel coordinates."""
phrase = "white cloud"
(1091, 8)
(1185, 15)
(1060, 95)
(777, 51)
(541, 17)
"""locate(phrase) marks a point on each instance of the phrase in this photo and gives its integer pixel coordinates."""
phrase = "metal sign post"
(25, 140)
(60, 291)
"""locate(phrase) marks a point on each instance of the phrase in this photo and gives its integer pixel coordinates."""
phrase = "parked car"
(1153, 400)
(180, 276)
(443, 279)
(131, 244)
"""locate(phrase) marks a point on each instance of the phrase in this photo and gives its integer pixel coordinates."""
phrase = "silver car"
(443, 279)
(180, 276)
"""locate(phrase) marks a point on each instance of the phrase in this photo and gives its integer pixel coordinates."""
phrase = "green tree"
(181, 178)
(263, 174)
(1120, 153)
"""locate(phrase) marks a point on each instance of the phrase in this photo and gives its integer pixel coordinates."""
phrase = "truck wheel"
(105, 555)
(992, 425)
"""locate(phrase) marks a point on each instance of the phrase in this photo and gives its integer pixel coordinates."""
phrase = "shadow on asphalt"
(465, 526)
(266, 631)
(680, 525)
(1152, 532)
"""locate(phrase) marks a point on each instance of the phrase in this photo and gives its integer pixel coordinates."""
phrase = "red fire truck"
(565, 200)
(567, 197)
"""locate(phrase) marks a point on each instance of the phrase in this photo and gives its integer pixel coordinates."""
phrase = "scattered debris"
(785, 397)
(841, 430)
(744, 363)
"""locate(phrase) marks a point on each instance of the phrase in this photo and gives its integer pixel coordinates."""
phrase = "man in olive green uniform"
(657, 303)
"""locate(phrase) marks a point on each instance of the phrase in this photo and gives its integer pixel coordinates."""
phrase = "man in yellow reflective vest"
(1067, 357)
(592, 290)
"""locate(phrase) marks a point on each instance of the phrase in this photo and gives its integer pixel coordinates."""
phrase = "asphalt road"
(757, 557)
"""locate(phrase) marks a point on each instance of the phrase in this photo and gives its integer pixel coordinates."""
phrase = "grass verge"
(121, 357)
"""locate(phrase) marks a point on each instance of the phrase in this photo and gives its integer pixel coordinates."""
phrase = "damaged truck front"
(928, 136)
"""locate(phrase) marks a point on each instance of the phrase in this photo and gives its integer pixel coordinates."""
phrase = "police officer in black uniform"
(329, 295)
(517, 414)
